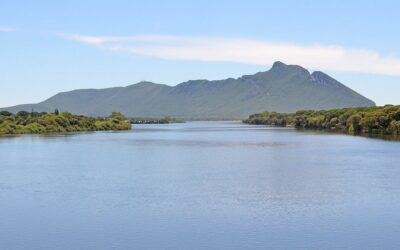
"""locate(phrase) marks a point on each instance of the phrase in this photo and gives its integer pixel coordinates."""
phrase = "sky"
(51, 46)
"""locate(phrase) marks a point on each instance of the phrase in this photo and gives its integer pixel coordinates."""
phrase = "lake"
(199, 185)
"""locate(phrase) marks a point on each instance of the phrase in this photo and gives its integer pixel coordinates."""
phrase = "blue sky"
(52, 46)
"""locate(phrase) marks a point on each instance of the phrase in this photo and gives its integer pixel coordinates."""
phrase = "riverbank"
(383, 120)
(152, 120)
(41, 123)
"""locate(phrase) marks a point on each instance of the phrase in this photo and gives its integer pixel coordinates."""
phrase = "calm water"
(201, 185)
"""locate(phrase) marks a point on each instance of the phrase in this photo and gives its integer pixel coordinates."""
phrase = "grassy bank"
(364, 120)
(39, 123)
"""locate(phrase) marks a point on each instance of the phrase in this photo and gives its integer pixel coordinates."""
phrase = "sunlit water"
(200, 185)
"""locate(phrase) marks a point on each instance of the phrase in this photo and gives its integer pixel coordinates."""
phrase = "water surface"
(199, 185)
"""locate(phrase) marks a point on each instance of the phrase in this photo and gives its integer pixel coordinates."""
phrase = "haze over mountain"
(283, 88)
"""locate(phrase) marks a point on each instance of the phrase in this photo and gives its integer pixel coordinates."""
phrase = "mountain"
(283, 88)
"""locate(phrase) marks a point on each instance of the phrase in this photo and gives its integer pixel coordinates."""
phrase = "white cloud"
(249, 51)
(6, 29)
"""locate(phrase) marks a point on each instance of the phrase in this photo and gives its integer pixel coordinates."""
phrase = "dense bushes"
(36, 123)
(269, 118)
(371, 120)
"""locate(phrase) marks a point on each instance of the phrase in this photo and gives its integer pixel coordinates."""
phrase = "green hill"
(283, 88)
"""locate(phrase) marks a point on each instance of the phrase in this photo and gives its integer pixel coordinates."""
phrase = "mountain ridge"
(283, 88)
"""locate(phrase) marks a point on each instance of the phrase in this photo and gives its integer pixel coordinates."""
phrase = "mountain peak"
(145, 83)
(321, 75)
(141, 84)
(322, 78)
(278, 65)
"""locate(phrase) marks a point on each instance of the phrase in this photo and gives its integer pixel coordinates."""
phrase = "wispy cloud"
(6, 29)
(249, 51)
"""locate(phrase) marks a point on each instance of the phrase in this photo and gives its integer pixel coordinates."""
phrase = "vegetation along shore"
(362, 120)
(38, 123)
(152, 120)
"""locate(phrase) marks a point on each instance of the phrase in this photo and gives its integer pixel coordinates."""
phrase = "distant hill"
(283, 88)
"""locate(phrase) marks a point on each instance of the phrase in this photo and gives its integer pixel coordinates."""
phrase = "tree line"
(361, 120)
(25, 122)
(152, 120)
